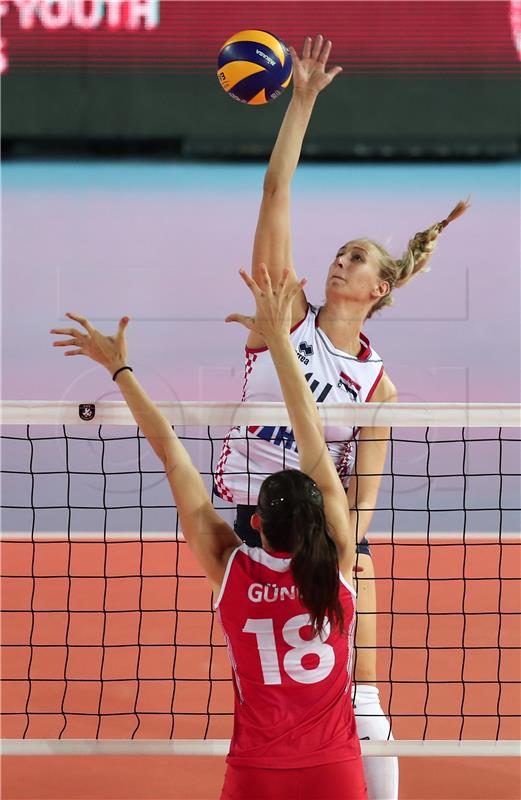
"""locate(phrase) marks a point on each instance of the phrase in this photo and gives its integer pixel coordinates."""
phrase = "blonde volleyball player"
(286, 608)
(340, 365)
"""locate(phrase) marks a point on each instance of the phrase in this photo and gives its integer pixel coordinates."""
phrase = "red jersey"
(292, 688)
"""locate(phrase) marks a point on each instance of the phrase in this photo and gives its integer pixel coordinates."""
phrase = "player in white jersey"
(333, 376)
(339, 364)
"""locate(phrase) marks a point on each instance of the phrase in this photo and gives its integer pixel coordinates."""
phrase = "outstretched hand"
(273, 313)
(109, 351)
(309, 72)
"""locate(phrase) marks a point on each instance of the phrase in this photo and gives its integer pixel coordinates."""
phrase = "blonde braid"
(398, 272)
(421, 247)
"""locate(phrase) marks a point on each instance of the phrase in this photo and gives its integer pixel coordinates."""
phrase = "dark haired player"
(286, 608)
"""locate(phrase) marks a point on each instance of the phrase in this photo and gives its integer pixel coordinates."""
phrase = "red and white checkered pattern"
(220, 486)
(222, 490)
(251, 358)
(345, 465)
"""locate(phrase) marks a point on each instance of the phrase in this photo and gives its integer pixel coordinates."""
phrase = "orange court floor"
(200, 778)
(93, 623)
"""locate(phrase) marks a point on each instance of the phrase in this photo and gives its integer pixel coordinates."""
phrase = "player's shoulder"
(303, 313)
(386, 391)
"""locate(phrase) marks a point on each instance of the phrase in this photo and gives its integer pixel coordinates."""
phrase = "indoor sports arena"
(261, 539)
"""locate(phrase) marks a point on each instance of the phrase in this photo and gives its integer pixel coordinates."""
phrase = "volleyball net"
(109, 640)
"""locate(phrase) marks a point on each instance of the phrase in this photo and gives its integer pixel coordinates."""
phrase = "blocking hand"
(109, 351)
(273, 312)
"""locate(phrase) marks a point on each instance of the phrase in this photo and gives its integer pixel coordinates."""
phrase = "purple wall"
(163, 243)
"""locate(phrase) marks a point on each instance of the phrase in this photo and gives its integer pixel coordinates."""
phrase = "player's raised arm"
(207, 534)
(272, 244)
(272, 321)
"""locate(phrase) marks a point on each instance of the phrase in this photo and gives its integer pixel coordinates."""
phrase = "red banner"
(369, 36)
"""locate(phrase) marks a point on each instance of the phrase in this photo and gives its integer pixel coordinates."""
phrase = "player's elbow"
(364, 505)
(275, 187)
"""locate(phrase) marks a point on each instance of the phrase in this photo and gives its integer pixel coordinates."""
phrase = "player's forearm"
(154, 426)
(304, 417)
(187, 485)
(364, 484)
(286, 152)
(360, 519)
(152, 423)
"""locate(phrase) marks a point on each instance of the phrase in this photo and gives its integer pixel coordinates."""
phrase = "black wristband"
(120, 370)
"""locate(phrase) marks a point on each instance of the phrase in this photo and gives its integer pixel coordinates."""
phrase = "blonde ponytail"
(398, 272)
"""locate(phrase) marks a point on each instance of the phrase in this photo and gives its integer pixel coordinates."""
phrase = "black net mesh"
(108, 629)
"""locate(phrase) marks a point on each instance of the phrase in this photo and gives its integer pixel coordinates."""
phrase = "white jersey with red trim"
(251, 453)
(292, 688)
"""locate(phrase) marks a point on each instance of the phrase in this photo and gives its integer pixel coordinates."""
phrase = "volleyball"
(254, 67)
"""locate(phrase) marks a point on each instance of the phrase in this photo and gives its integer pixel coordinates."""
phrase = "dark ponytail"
(291, 509)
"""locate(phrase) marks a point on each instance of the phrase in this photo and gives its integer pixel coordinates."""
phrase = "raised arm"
(272, 322)
(272, 244)
(206, 533)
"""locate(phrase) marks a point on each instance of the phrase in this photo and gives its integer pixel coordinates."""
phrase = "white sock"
(381, 774)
